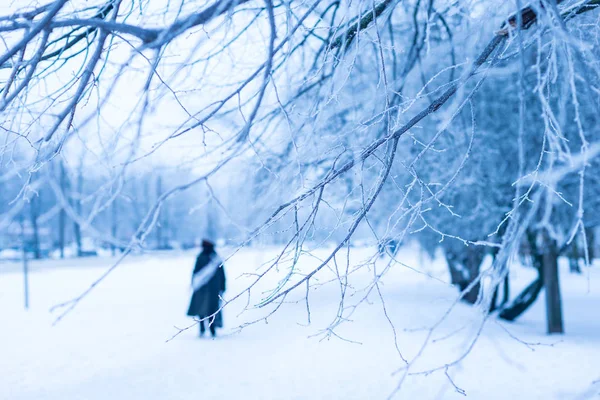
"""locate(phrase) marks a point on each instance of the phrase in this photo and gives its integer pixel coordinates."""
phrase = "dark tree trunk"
(505, 291)
(505, 286)
(35, 239)
(62, 216)
(551, 284)
(25, 264)
(574, 265)
(494, 299)
(167, 234)
(523, 301)
(159, 240)
(146, 193)
(114, 226)
(505, 295)
(76, 226)
(545, 261)
(530, 294)
(455, 269)
(464, 270)
(574, 257)
(591, 243)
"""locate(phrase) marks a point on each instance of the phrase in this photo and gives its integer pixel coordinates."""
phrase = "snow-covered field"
(113, 345)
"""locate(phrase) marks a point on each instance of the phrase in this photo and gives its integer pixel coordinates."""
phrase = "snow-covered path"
(113, 345)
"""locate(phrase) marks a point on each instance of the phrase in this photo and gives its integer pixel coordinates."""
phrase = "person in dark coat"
(208, 282)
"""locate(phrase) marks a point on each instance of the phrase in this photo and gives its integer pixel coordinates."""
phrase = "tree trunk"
(546, 263)
(159, 243)
(551, 284)
(25, 265)
(464, 266)
(591, 243)
(494, 300)
(454, 267)
(76, 226)
(574, 265)
(506, 291)
(505, 286)
(147, 203)
(523, 301)
(167, 234)
(505, 295)
(62, 216)
(114, 226)
(574, 257)
(530, 294)
(33, 207)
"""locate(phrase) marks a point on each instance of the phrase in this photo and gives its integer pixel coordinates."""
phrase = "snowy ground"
(113, 346)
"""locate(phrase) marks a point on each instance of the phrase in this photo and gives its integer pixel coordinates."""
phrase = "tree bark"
(591, 243)
(530, 294)
(114, 226)
(505, 295)
(62, 216)
(464, 266)
(159, 240)
(546, 262)
(551, 284)
(523, 301)
(25, 264)
(505, 291)
(76, 226)
(34, 211)
(574, 257)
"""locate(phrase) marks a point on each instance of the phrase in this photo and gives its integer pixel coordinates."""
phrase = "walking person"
(208, 283)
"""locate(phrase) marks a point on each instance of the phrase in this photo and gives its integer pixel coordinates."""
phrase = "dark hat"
(207, 243)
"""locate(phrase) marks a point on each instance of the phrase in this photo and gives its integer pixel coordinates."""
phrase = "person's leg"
(201, 323)
(213, 329)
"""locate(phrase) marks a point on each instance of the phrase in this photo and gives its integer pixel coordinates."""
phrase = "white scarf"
(202, 277)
